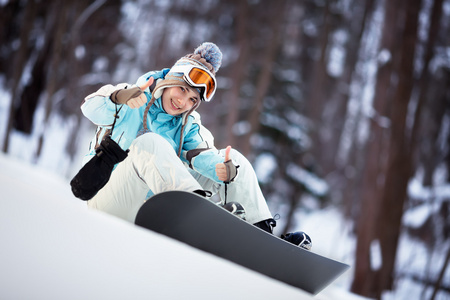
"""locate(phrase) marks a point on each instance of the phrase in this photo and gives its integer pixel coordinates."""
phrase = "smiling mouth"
(174, 105)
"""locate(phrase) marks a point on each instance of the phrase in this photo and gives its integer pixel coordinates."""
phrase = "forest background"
(339, 103)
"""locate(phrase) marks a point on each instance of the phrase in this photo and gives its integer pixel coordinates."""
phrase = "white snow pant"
(244, 189)
(151, 164)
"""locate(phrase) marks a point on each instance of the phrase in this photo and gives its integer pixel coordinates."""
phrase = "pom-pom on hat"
(207, 56)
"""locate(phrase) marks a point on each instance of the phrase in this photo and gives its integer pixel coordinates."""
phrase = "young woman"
(168, 147)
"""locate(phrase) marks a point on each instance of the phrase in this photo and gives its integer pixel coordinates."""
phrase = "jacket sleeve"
(99, 108)
(199, 151)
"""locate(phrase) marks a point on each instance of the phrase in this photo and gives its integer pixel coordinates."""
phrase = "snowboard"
(200, 223)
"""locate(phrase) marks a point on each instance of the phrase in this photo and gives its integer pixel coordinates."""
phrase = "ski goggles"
(198, 77)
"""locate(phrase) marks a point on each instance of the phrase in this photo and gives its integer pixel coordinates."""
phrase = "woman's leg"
(152, 164)
(244, 189)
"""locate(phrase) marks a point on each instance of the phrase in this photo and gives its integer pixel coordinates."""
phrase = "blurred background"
(341, 104)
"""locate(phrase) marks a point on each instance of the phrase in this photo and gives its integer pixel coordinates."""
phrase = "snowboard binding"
(235, 208)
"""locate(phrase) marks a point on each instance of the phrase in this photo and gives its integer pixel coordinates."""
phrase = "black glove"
(96, 173)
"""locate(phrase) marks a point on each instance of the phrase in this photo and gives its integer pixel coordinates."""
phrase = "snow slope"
(53, 247)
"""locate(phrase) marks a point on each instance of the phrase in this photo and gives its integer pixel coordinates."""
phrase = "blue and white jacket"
(99, 108)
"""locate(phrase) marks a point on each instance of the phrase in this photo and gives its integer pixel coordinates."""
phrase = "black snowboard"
(202, 224)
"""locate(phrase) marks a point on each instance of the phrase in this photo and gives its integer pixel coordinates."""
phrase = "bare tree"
(383, 208)
(272, 45)
(372, 181)
(239, 69)
(399, 161)
(20, 59)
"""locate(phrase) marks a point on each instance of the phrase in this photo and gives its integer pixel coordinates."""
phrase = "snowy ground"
(54, 248)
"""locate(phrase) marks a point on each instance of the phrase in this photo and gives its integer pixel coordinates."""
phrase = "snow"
(330, 236)
(53, 247)
(312, 183)
(440, 191)
(417, 216)
(49, 238)
(417, 260)
(337, 53)
(264, 166)
(376, 258)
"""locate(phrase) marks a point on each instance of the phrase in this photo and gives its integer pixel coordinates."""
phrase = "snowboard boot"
(266, 225)
(298, 238)
(235, 208)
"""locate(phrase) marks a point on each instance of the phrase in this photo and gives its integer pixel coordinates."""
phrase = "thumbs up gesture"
(226, 171)
(147, 84)
(133, 97)
(141, 99)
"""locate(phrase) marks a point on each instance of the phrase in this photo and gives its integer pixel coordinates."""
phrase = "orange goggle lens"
(199, 77)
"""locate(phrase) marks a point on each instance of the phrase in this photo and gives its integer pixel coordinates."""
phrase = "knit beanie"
(207, 55)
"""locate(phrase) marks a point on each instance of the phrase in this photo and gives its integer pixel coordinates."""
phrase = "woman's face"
(179, 99)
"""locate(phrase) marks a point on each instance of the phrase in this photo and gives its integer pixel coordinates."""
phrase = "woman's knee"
(239, 158)
(152, 142)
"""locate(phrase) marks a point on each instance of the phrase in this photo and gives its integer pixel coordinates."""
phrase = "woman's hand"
(137, 102)
(142, 98)
(221, 169)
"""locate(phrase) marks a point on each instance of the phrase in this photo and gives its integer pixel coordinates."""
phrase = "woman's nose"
(180, 100)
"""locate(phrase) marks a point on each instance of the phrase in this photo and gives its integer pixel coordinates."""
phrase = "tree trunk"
(348, 186)
(238, 71)
(372, 181)
(29, 96)
(399, 156)
(431, 106)
(441, 275)
(83, 14)
(263, 84)
(59, 25)
(19, 65)
(318, 91)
